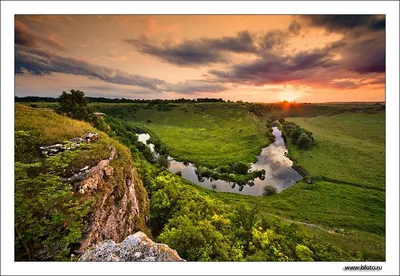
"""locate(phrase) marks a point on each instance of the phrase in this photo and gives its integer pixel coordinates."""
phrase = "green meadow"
(209, 134)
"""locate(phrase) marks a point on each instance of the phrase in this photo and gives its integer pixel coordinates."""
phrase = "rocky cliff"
(77, 186)
(137, 247)
(116, 209)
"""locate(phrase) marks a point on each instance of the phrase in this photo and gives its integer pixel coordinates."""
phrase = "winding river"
(278, 169)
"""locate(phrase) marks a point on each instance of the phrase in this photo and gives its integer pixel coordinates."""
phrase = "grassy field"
(350, 156)
(350, 148)
(210, 134)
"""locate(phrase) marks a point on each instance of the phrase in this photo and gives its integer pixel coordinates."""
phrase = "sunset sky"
(257, 58)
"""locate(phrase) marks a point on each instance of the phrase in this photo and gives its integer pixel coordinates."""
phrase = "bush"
(163, 161)
(304, 253)
(269, 190)
(304, 141)
(240, 167)
(48, 219)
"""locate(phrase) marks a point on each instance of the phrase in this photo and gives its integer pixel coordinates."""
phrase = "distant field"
(350, 147)
(209, 134)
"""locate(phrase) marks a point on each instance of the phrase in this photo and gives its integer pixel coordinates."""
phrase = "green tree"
(304, 141)
(269, 190)
(74, 104)
(240, 167)
(163, 161)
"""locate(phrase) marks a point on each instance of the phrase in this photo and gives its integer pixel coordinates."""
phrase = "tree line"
(35, 99)
(299, 136)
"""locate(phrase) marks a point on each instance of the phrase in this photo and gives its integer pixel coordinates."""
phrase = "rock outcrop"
(71, 145)
(114, 218)
(137, 247)
(88, 178)
(115, 212)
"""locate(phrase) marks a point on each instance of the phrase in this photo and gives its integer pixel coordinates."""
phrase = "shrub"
(269, 190)
(48, 219)
(304, 253)
(163, 161)
(240, 167)
(304, 141)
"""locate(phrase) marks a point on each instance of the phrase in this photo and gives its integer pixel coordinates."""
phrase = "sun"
(289, 96)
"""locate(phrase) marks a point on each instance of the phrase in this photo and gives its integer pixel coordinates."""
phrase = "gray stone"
(90, 137)
(137, 247)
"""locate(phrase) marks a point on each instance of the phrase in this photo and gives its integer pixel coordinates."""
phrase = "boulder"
(137, 247)
(90, 137)
(73, 144)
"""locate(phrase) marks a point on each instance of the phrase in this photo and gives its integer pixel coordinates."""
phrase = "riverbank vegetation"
(300, 137)
(203, 227)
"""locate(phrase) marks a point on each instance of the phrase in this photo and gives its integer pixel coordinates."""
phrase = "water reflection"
(278, 170)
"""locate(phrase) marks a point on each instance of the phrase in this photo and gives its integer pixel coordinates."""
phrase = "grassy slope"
(40, 127)
(210, 134)
(354, 143)
(45, 127)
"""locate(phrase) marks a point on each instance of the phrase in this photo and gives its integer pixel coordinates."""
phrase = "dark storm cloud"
(243, 42)
(205, 51)
(188, 53)
(352, 57)
(343, 23)
(23, 36)
(366, 55)
(274, 68)
(40, 62)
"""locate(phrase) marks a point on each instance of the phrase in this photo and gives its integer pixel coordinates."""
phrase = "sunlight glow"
(288, 95)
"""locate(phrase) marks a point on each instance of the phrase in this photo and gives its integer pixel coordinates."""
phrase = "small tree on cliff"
(74, 105)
